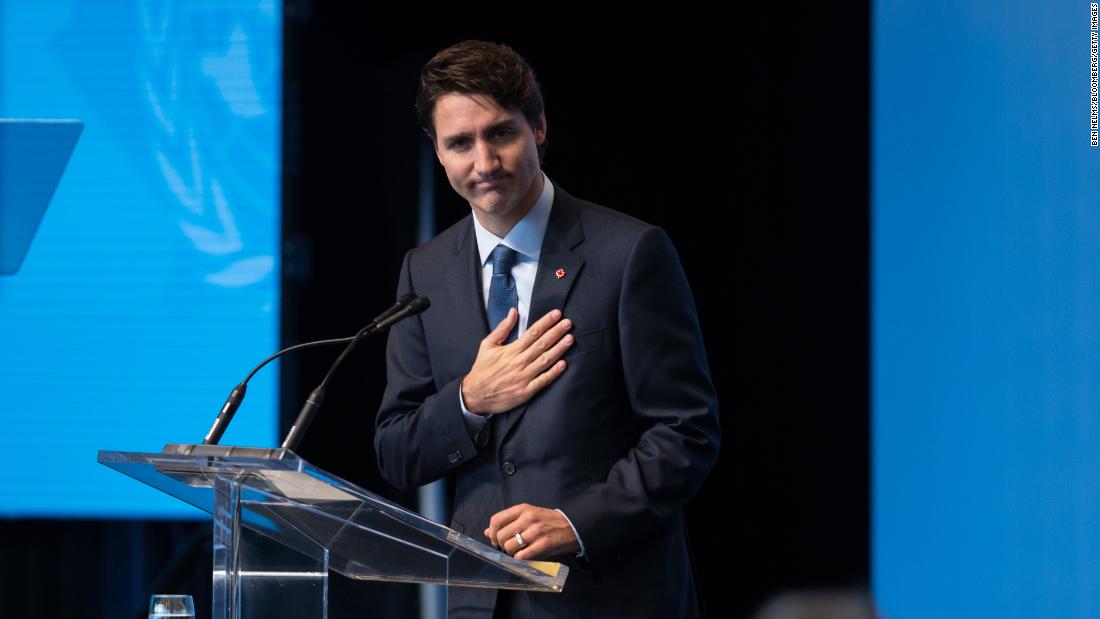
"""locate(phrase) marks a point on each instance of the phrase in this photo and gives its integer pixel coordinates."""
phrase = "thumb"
(500, 333)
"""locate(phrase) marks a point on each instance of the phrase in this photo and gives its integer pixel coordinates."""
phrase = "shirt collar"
(526, 236)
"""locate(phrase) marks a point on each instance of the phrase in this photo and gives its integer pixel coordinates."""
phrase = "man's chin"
(495, 205)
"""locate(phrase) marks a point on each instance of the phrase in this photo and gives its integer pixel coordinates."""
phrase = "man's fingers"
(533, 550)
(542, 325)
(541, 381)
(506, 535)
(502, 519)
(546, 341)
(510, 545)
(548, 350)
(500, 333)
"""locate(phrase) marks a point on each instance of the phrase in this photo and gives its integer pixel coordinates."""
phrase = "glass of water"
(163, 606)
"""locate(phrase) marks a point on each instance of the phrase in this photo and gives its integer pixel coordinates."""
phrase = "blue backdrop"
(986, 311)
(152, 284)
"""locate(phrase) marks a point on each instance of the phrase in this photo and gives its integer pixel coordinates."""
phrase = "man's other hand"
(545, 532)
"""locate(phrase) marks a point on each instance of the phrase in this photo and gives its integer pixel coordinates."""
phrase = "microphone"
(401, 304)
(233, 402)
(414, 306)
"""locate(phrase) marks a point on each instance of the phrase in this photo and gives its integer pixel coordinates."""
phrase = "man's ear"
(540, 133)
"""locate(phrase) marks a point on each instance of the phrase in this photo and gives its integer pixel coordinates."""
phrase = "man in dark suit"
(579, 426)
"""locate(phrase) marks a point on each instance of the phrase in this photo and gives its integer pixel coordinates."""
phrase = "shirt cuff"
(578, 536)
(474, 423)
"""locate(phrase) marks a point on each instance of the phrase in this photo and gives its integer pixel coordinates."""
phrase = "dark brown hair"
(480, 68)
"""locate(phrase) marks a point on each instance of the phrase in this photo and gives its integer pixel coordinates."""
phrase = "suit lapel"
(563, 233)
(470, 321)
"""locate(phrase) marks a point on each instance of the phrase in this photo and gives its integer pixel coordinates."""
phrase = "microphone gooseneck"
(412, 307)
(236, 397)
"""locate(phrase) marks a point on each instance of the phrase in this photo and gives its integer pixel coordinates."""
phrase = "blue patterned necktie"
(502, 289)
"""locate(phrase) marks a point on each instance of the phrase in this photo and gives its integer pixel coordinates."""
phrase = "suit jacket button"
(455, 456)
(509, 468)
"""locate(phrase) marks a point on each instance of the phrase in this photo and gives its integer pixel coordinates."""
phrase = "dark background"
(745, 136)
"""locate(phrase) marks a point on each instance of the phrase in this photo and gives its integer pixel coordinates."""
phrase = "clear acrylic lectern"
(280, 525)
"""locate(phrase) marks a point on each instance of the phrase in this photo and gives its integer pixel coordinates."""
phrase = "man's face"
(490, 155)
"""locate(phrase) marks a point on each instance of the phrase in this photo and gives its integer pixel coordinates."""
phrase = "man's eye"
(458, 144)
(502, 133)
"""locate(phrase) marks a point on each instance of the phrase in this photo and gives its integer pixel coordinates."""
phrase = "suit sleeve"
(420, 434)
(667, 381)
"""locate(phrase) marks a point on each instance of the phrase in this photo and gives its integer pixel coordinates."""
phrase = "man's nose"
(486, 162)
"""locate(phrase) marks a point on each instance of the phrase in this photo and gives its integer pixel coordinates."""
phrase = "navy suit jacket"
(619, 442)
